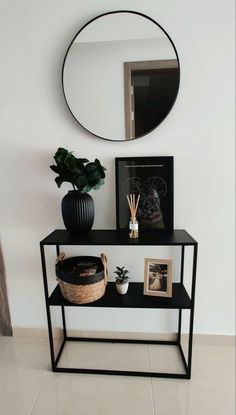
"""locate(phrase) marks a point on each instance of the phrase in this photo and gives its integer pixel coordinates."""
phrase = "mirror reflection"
(120, 76)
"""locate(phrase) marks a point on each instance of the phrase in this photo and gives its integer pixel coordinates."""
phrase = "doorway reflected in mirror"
(150, 91)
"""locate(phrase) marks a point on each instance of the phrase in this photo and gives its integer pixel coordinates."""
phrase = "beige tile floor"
(27, 386)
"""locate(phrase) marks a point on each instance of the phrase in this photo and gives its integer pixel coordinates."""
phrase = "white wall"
(198, 133)
(108, 27)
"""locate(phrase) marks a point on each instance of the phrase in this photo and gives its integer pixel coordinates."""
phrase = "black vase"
(77, 212)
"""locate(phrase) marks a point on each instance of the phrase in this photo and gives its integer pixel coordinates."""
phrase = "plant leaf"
(55, 169)
(69, 168)
(58, 181)
(79, 181)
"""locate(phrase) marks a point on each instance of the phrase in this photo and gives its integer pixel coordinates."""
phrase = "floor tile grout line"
(153, 399)
(37, 396)
(149, 364)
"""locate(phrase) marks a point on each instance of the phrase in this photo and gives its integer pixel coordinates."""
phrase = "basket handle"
(104, 261)
(60, 257)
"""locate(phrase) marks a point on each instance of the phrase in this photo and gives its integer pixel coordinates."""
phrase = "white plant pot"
(122, 288)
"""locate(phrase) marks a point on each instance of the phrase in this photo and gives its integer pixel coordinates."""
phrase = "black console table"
(133, 299)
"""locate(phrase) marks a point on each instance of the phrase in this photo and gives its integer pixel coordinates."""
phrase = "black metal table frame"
(186, 363)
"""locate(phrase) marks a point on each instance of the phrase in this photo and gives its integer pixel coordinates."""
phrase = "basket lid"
(69, 270)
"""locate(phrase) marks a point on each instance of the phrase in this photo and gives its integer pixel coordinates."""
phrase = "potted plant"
(78, 206)
(122, 280)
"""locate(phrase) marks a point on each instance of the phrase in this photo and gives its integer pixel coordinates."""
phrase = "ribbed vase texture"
(77, 212)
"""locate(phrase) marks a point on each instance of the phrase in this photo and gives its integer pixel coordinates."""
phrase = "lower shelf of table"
(78, 355)
(133, 299)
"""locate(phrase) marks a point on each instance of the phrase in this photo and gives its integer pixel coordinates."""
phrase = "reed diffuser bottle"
(133, 223)
(133, 228)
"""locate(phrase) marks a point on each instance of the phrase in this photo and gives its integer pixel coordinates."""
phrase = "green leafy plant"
(122, 276)
(84, 175)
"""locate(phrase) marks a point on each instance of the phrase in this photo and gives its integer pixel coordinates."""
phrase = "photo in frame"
(158, 277)
(152, 179)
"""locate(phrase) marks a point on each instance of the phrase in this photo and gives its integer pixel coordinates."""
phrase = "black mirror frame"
(63, 66)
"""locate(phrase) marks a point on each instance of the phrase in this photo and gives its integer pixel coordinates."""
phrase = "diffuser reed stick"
(133, 206)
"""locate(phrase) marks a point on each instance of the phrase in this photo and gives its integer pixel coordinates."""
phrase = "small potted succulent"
(122, 280)
(78, 206)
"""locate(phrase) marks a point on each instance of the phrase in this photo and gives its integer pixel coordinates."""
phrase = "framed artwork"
(158, 277)
(152, 179)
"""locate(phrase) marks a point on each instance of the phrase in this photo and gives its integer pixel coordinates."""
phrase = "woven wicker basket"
(81, 289)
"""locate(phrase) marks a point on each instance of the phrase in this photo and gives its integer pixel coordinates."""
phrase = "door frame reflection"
(141, 66)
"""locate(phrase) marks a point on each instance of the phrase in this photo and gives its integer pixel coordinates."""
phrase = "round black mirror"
(121, 75)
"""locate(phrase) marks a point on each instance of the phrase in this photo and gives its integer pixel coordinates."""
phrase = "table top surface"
(121, 237)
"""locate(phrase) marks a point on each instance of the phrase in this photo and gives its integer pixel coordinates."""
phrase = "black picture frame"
(152, 178)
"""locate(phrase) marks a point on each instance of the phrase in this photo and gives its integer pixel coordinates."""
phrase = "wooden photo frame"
(158, 277)
(152, 179)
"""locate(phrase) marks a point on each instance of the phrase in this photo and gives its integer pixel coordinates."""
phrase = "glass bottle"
(133, 228)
